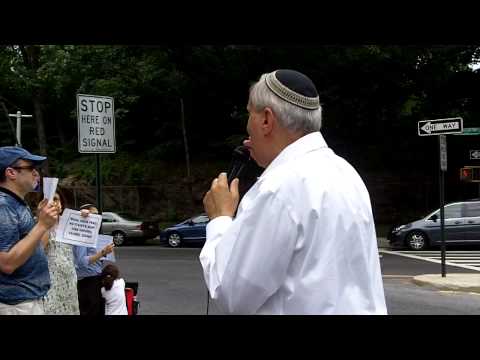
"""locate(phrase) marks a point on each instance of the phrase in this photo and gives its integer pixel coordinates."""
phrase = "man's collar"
(12, 194)
(303, 145)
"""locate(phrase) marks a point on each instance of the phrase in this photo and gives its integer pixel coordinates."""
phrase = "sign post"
(96, 131)
(443, 167)
(441, 127)
(19, 117)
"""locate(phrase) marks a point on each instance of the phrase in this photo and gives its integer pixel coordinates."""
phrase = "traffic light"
(470, 174)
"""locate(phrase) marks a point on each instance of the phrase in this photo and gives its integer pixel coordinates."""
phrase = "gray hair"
(290, 116)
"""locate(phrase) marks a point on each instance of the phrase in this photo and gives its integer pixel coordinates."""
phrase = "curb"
(453, 282)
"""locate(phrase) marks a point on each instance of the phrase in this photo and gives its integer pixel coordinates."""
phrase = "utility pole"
(19, 116)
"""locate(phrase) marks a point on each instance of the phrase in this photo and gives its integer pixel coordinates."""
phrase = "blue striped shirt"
(31, 280)
(81, 255)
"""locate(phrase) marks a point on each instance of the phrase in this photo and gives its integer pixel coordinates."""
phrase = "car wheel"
(174, 240)
(118, 238)
(417, 240)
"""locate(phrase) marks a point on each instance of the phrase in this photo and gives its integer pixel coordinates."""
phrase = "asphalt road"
(398, 265)
(171, 282)
(403, 297)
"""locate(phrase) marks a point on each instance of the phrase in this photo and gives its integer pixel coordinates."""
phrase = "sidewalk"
(453, 282)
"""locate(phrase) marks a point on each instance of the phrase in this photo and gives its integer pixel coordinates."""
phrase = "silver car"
(462, 227)
(122, 227)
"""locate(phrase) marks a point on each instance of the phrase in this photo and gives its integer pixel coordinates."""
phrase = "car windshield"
(203, 218)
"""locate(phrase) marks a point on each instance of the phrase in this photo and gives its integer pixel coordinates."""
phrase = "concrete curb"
(453, 282)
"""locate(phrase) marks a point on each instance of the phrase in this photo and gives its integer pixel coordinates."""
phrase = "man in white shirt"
(303, 240)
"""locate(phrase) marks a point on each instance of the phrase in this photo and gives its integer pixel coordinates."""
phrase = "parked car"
(124, 227)
(190, 231)
(462, 227)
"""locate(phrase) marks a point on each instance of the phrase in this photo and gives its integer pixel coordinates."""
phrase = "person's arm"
(97, 256)
(46, 236)
(45, 239)
(102, 253)
(245, 260)
(17, 255)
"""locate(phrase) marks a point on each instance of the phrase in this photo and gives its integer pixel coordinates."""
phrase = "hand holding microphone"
(223, 196)
(221, 199)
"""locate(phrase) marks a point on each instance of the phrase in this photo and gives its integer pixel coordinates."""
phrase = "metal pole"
(19, 117)
(19, 128)
(99, 184)
(442, 204)
(442, 220)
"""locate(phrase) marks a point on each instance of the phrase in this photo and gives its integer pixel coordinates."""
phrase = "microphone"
(240, 158)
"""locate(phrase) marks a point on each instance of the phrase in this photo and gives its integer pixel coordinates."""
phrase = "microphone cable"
(208, 299)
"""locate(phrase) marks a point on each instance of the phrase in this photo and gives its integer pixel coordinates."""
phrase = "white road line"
(428, 259)
(457, 260)
(449, 253)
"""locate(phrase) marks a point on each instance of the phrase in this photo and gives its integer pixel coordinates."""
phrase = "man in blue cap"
(24, 277)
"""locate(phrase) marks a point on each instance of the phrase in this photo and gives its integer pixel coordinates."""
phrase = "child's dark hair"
(109, 274)
(61, 194)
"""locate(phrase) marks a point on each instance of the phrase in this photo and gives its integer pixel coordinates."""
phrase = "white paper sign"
(78, 230)
(102, 241)
(49, 188)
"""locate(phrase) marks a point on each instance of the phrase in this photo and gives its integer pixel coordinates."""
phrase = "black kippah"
(294, 87)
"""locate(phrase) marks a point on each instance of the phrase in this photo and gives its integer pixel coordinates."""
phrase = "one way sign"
(474, 154)
(440, 126)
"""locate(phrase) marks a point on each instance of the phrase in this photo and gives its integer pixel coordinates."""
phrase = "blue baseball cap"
(10, 154)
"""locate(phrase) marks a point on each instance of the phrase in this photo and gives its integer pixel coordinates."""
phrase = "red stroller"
(131, 290)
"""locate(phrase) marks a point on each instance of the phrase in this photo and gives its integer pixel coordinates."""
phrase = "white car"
(122, 227)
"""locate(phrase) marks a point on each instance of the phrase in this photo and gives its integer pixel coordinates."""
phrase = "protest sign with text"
(78, 230)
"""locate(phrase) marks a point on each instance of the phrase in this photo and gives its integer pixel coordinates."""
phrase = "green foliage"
(386, 88)
(115, 170)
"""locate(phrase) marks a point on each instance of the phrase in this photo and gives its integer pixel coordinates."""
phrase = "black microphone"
(240, 158)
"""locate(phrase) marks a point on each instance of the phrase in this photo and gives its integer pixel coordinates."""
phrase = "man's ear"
(10, 173)
(269, 121)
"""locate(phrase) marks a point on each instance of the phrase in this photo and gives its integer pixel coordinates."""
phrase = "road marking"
(430, 259)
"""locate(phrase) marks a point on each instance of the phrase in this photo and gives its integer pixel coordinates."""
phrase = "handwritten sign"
(78, 230)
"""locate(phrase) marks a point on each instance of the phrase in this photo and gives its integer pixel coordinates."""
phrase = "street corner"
(452, 282)
(383, 243)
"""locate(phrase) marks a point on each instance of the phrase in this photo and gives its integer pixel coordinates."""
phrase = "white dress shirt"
(303, 240)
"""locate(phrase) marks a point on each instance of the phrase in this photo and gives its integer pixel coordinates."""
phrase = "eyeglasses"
(29, 167)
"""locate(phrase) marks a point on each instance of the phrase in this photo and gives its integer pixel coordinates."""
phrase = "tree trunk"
(61, 133)
(38, 115)
(5, 110)
(31, 58)
(187, 155)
